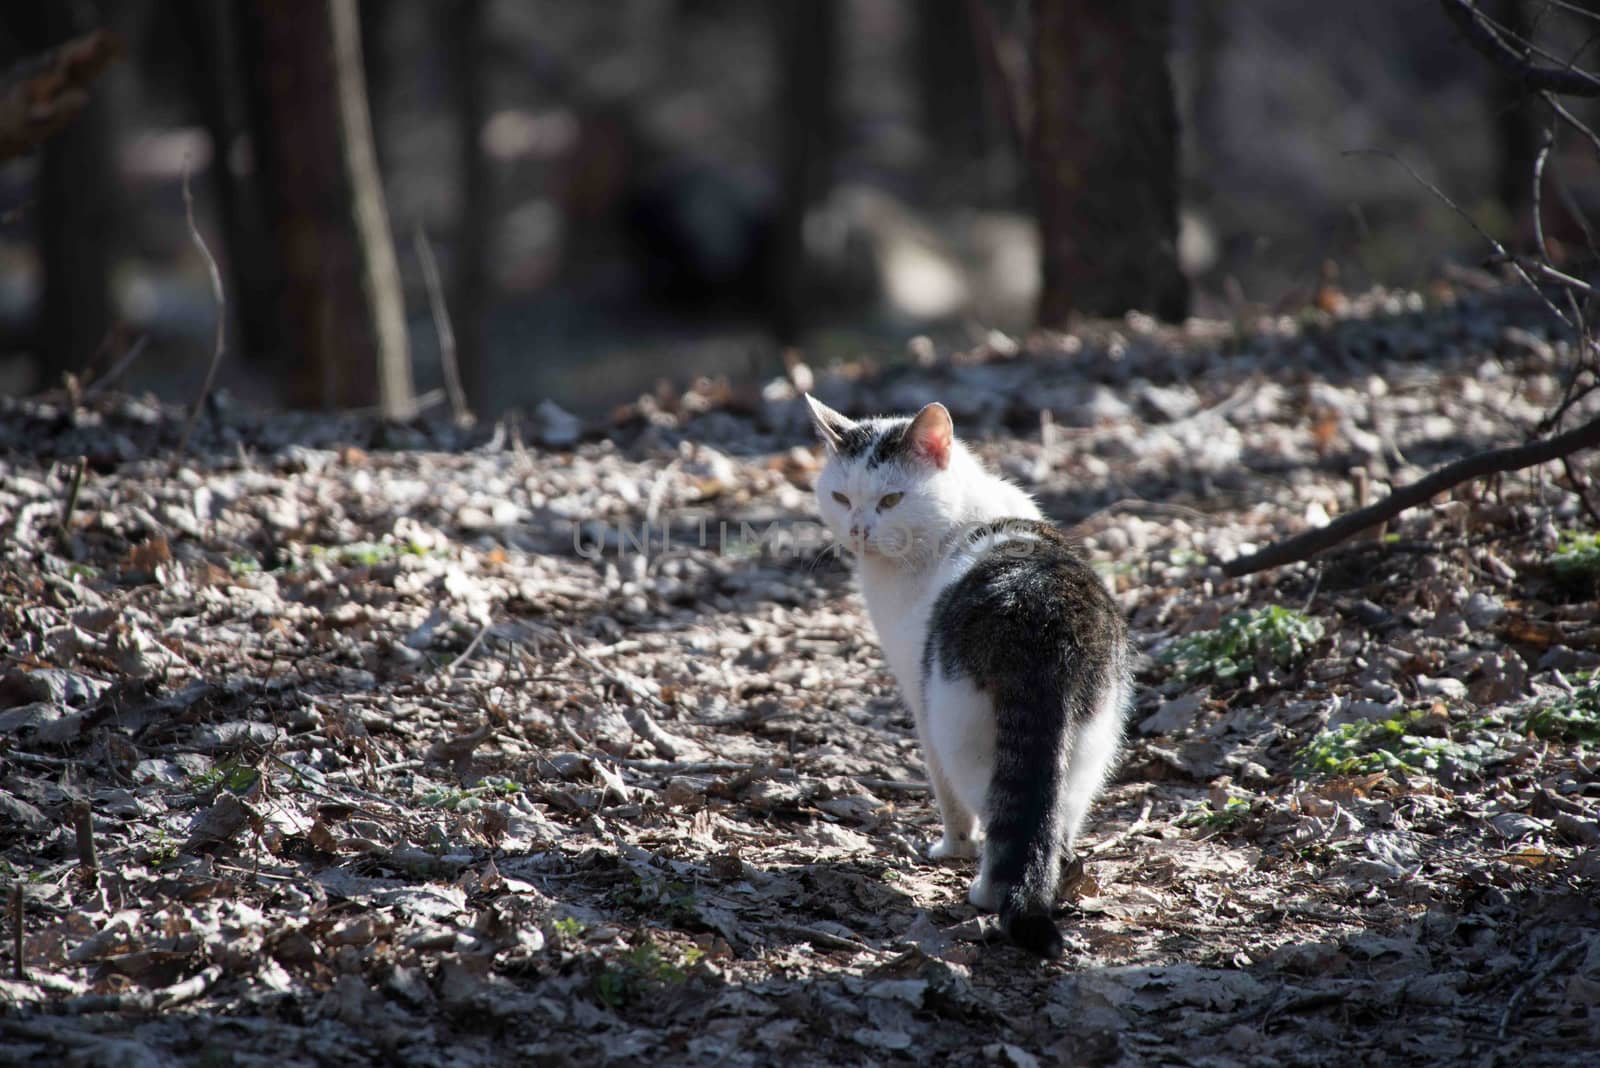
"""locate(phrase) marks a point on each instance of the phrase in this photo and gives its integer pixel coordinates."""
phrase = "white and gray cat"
(1011, 654)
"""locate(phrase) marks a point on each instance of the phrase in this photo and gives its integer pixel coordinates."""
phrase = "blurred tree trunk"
(1105, 154)
(342, 302)
(806, 39)
(1516, 131)
(950, 86)
(211, 32)
(1208, 129)
(465, 29)
(76, 224)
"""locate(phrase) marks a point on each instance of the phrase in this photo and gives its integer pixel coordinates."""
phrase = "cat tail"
(1038, 720)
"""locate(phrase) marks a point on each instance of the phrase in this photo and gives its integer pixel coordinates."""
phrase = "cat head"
(890, 487)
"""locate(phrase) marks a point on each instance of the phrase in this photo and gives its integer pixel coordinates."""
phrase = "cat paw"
(983, 895)
(958, 846)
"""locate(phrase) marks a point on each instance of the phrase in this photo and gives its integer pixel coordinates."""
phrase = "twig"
(674, 767)
(1580, 486)
(115, 372)
(221, 301)
(458, 750)
(820, 938)
(83, 824)
(999, 77)
(633, 686)
(441, 324)
(1499, 249)
(1571, 203)
(190, 988)
(893, 786)
(1492, 461)
(71, 503)
(1545, 144)
(1489, 41)
(1561, 278)
(648, 729)
(1127, 832)
(472, 647)
(19, 970)
(1544, 973)
(41, 95)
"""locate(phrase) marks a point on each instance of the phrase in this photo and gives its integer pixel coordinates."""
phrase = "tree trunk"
(950, 88)
(466, 24)
(806, 43)
(342, 301)
(1105, 148)
(1516, 133)
(77, 203)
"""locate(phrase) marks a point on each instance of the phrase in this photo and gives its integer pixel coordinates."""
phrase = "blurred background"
(632, 191)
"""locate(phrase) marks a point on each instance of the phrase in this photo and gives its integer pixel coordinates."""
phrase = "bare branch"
(442, 325)
(1499, 249)
(1490, 462)
(1000, 77)
(43, 94)
(221, 301)
(1492, 43)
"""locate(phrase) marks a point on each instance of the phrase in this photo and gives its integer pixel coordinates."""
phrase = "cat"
(1007, 647)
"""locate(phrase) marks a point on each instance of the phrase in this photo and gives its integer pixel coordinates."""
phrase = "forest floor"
(393, 747)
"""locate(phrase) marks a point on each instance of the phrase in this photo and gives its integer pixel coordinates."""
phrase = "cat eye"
(888, 501)
(841, 498)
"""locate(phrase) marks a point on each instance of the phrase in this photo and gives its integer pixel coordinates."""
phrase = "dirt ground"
(427, 746)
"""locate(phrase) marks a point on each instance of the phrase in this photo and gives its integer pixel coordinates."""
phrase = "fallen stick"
(19, 970)
(1491, 462)
(83, 825)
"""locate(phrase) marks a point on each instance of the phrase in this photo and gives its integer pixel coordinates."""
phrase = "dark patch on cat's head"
(889, 444)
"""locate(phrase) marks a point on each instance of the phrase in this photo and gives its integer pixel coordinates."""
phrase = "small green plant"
(162, 850)
(642, 968)
(370, 553)
(669, 900)
(570, 927)
(1401, 743)
(1234, 647)
(1574, 718)
(472, 798)
(1186, 557)
(1204, 814)
(235, 776)
(1576, 561)
(243, 565)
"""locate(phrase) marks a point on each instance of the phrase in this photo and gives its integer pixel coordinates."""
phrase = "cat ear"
(831, 426)
(930, 435)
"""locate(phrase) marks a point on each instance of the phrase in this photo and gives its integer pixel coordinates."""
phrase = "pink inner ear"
(930, 434)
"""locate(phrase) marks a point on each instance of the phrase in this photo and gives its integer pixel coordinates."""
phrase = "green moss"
(1275, 635)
